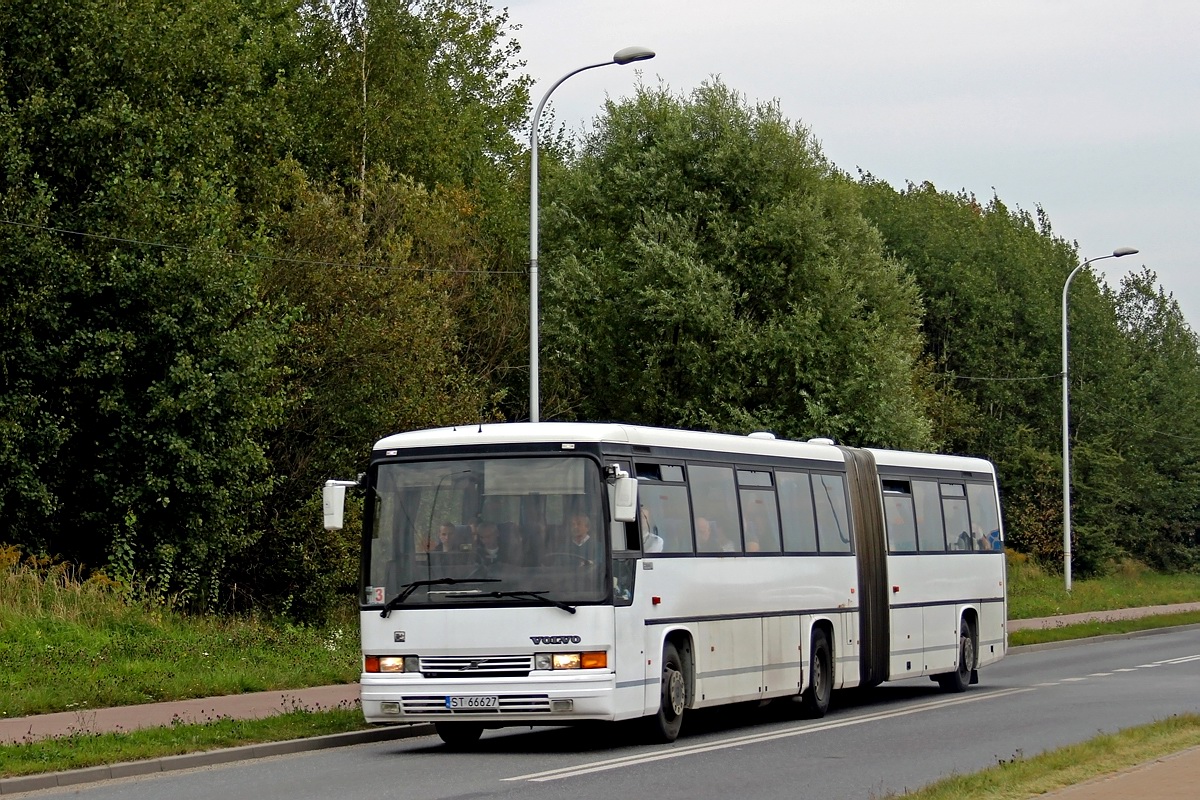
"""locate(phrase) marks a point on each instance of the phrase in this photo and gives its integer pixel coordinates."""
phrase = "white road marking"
(738, 741)
(1182, 660)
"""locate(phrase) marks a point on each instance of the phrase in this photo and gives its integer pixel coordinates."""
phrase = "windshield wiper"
(407, 589)
(534, 596)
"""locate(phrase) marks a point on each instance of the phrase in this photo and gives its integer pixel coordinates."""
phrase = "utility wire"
(1030, 378)
(257, 256)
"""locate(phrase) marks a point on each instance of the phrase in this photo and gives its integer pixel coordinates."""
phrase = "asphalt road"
(890, 739)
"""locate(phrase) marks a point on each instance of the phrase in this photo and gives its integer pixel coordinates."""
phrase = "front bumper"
(549, 699)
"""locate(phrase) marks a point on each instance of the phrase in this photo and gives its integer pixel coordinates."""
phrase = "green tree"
(375, 350)
(1160, 511)
(707, 267)
(138, 393)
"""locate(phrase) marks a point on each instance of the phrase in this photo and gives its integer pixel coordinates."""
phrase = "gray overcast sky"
(1088, 108)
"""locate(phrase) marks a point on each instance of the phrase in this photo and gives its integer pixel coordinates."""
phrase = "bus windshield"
(520, 530)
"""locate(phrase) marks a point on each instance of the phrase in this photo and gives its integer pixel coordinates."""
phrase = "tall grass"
(68, 643)
(1033, 592)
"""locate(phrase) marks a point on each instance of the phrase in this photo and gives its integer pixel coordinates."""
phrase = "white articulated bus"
(551, 573)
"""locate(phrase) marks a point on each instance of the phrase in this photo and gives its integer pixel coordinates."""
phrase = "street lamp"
(1066, 413)
(626, 56)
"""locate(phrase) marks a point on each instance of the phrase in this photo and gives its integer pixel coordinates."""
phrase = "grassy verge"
(89, 750)
(67, 644)
(1101, 628)
(1033, 592)
(1023, 777)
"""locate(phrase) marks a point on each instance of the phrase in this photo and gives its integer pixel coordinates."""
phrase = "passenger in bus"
(710, 539)
(447, 538)
(761, 535)
(581, 543)
(978, 542)
(487, 545)
(513, 544)
(651, 541)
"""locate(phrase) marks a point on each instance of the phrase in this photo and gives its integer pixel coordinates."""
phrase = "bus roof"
(517, 432)
(567, 432)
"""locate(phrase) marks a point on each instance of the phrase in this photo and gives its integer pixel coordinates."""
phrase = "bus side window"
(931, 534)
(714, 504)
(796, 508)
(624, 534)
(985, 518)
(833, 516)
(954, 510)
(899, 516)
(667, 507)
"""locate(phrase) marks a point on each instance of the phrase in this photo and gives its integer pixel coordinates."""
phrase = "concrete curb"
(154, 766)
(1112, 637)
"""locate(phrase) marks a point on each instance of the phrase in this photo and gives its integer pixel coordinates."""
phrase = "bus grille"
(470, 666)
(509, 704)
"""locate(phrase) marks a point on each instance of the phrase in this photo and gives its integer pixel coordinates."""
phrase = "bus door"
(629, 630)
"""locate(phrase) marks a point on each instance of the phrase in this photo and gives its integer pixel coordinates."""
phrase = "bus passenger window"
(985, 519)
(931, 534)
(714, 503)
(760, 521)
(958, 523)
(796, 508)
(899, 516)
(833, 518)
(667, 509)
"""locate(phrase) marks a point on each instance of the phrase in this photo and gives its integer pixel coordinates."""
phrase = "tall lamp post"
(625, 56)
(1066, 413)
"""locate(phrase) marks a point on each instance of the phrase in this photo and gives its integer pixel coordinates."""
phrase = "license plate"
(469, 701)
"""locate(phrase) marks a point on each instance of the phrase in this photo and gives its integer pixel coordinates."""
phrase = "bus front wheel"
(960, 679)
(458, 734)
(666, 723)
(815, 700)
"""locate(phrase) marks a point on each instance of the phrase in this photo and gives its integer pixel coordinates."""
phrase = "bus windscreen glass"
(487, 531)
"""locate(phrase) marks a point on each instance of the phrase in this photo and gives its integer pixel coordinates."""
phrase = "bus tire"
(814, 702)
(664, 726)
(458, 735)
(960, 679)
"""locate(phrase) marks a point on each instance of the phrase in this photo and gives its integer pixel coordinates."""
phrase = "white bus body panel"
(749, 620)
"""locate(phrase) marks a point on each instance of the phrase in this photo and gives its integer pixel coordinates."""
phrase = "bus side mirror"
(625, 499)
(333, 503)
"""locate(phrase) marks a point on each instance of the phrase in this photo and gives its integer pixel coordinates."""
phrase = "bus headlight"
(589, 660)
(391, 664)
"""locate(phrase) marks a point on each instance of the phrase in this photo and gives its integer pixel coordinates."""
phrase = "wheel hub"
(676, 694)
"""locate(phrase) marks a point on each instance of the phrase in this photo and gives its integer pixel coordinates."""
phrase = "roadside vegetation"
(1021, 777)
(1034, 591)
(85, 749)
(71, 644)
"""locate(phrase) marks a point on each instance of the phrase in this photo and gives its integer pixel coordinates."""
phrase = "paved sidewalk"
(1172, 777)
(252, 705)
(1100, 616)
(1167, 777)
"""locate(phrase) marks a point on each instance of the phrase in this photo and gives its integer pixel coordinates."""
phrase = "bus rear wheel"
(814, 703)
(960, 679)
(665, 725)
(458, 734)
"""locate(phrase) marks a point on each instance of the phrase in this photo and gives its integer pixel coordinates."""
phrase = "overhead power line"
(256, 256)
